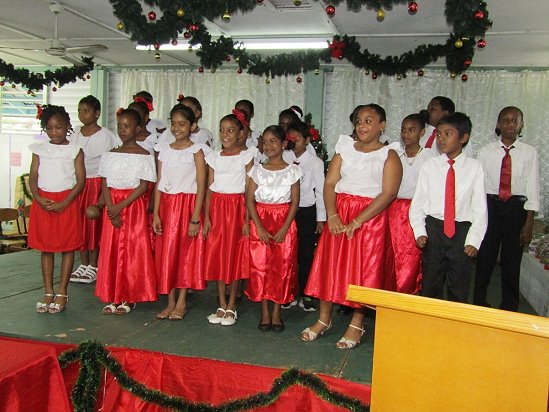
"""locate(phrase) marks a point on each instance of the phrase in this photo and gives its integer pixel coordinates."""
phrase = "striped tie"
(505, 176)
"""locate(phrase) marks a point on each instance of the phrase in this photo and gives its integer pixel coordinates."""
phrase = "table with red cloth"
(31, 378)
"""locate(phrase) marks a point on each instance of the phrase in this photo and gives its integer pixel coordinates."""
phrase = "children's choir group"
(156, 210)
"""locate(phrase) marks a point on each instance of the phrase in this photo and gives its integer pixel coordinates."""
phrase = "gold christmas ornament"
(317, 72)
(157, 56)
(268, 81)
(120, 26)
(458, 44)
(380, 15)
(227, 16)
(297, 3)
(180, 12)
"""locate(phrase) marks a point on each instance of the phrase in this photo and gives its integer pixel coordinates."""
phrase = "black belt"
(514, 198)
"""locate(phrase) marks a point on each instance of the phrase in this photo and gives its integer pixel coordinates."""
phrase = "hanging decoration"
(93, 357)
(35, 81)
(468, 20)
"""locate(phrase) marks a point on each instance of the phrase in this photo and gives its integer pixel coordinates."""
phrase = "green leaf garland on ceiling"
(467, 18)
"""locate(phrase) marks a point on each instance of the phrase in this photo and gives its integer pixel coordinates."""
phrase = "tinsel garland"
(26, 191)
(93, 356)
(35, 81)
(467, 18)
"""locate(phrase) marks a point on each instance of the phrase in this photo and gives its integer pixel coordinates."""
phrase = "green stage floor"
(21, 287)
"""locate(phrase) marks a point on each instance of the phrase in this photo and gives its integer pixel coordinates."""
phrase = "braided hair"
(50, 110)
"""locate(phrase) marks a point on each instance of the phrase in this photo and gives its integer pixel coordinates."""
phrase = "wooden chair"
(14, 236)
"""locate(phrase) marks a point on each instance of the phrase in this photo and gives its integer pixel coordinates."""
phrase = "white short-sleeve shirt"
(56, 172)
(230, 171)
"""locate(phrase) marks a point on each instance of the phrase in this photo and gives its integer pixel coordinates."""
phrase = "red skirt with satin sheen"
(364, 260)
(273, 266)
(178, 258)
(55, 231)
(91, 228)
(125, 270)
(407, 254)
(227, 214)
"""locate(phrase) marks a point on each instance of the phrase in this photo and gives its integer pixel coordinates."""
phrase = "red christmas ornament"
(374, 75)
(174, 42)
(29, 91)
(227, 58)
(151, 16)
(187, 35)
(299, 79)
(13, 86)
(201, 69)
(259, 1)
(481, 44)
(467, 62)
(330, 10)
(464, 77)
(2, 83)
(88, 76)
(54, 89)
(412, 7)
(193, 27)
(156, 46)
(239, 70)
(420, 72)
(479, 15)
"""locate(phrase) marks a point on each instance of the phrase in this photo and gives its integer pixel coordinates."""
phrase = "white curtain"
(481, 98)
(217, 93)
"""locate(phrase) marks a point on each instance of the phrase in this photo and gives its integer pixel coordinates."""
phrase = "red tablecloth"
(30, 378)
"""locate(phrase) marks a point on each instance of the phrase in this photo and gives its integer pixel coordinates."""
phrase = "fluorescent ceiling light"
(256, 44)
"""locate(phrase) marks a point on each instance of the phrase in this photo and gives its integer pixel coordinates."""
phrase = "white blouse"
(203, 136)
(361, 173)
(56, 172)
(149, 143)
(126, 170)
(253, 140)
(230, 171)
(410, 171)
(178, 173)
(93, 147)
(274, 186)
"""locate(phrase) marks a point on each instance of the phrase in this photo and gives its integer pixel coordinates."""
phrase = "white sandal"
(229, 320)
(42, 307)
(214, 318)
(89, 275)
(109, 309)
(124, 308)
(345, 343)
(307, 335)
(76, 275)
(58, 307)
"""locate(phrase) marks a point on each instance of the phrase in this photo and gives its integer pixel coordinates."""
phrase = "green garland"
(93, 355)
(26, 190)
(468, 19)
(35, 81)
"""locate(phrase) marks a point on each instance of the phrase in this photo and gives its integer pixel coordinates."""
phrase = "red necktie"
(431, 139)
(505, 176)
(450, 201)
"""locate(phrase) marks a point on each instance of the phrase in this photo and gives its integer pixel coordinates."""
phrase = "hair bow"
(180, 98)
(315, 136)
(291, 137)
(241, 117)
(149, 104)
(39, 111)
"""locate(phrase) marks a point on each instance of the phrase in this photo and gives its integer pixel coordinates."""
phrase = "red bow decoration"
(336, 49)
(180, 98)
(291, 137)
(141, 99)
(119, 111)
(315, 136)
(39, 111)
(241, 117)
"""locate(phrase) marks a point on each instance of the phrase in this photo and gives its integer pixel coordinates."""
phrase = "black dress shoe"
(264, 327)
(278, 328)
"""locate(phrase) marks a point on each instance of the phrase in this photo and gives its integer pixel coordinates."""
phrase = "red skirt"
(365, 260)
(125, 270)
(179, 259)
(407, 254)
(273, 266)
(227, 214)
(55, 231)
(91, 228)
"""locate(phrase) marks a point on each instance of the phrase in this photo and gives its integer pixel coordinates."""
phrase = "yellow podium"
(435, 355)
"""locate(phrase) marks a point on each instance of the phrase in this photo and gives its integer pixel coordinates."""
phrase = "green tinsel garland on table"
(468, 19)
(35, 81)
(93, 355)
(26, 190)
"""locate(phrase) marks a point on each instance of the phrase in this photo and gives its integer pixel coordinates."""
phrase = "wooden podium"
(435, 355)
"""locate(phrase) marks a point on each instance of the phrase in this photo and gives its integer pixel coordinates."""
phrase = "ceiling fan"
(57, 49)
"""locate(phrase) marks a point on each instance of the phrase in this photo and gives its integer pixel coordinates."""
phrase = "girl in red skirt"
(179, 195)
(94, 141)
(407, 255)
(355, 247)
(272, 200)
(125, 272)
(57, 176)
(225, 220)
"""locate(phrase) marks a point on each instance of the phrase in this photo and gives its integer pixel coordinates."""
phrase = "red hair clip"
(315, 135)
(241, 117)
(180, 98)
(39, 111)
(138, 99)
(291, 137)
